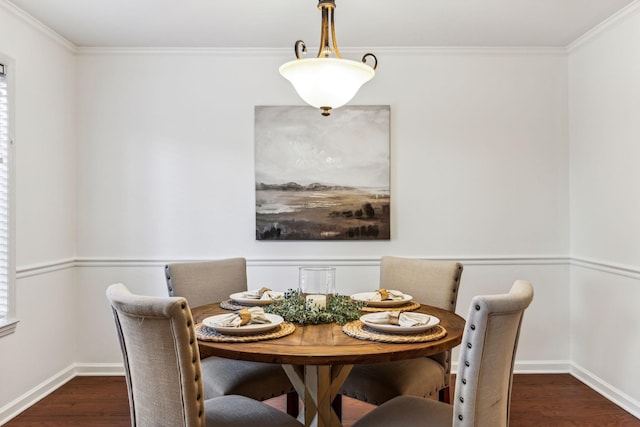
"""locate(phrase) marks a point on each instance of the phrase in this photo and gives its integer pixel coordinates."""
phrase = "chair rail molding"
(67, 263)
(577, 261)
(338, 261)
(630, 271)
(44, 267)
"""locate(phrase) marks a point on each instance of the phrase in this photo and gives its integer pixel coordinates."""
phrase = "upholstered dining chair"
(207, 282)
(429, 282)
(162, 367)
(485, 370)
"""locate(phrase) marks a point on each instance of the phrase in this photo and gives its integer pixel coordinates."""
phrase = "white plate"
(253, 301)
(396, 329)
(248, 329)
(365, 296)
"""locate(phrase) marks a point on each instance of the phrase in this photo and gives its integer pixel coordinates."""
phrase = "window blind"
(4, 195)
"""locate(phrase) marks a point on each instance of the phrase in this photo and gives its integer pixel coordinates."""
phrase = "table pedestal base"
(317, 386)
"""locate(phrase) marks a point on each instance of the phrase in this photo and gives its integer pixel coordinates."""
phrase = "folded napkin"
(244, 317)
(262, 294)
(404, 319)
(387, 295)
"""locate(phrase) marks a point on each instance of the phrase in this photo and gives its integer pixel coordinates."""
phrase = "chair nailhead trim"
(184, 305)
(478, 307)
(460, 417)
(464, 381)
(473, 327)
(469, 345)
(461, 399)
(197, 377)
(466, 363)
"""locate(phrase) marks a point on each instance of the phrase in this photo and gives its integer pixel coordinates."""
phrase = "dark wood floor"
(537, 401)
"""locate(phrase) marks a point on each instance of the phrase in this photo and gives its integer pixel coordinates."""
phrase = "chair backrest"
(487, 353)
(206, 282)
(161, 359)
(430, 282)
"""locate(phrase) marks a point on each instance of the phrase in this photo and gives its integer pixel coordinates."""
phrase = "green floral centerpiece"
(293, 307)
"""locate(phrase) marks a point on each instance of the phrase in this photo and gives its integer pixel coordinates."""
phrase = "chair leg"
(444, 395)
(293, 408)
(337, 406)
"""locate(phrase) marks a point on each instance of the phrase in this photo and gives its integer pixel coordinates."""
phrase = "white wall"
(605, 208)
(44, 343)
(479, 154)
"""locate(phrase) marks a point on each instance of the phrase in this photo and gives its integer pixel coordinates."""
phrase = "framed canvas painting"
(322, 178)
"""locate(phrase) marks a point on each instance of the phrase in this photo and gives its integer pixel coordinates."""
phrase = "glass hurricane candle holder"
(316, 284)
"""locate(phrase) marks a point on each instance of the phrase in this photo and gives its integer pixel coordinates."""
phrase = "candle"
(319, 301)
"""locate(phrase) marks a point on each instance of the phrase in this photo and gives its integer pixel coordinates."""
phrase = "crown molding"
(387, 51)
(465, 50)
(38, 25)
(618, 17)
(193, 51)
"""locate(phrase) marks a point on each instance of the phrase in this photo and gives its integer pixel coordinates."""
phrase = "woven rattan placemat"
(410, 306)
(357, 329)
(205, 334)
(230, 304)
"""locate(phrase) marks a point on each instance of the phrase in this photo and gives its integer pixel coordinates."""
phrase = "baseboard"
(37, 393)
(542, 367)
(42, 390)
(98, 369)
(613, 394)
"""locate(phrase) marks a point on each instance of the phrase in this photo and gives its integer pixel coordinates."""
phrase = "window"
(7, 323)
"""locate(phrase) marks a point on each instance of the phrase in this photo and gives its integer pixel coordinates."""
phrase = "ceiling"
(359, 23)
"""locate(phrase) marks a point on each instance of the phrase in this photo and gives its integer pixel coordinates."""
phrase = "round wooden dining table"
(318, 358)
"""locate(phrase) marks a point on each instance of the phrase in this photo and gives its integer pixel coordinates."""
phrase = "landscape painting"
(322, 178)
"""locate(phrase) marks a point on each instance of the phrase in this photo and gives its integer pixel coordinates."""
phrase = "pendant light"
(327, 82)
